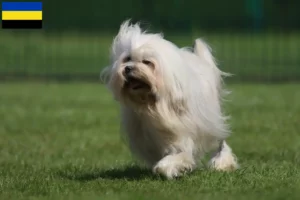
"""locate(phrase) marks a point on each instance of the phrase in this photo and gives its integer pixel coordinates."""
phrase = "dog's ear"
(178, 106)
(177, 100)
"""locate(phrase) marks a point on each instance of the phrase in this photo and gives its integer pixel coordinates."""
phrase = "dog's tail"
(202, 50)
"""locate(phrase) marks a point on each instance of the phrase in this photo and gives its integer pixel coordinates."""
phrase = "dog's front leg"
(175, 165)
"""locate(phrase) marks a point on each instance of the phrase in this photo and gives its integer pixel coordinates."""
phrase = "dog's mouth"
(136, 84)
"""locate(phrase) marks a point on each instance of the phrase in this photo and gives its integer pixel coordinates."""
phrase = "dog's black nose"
(128, 69)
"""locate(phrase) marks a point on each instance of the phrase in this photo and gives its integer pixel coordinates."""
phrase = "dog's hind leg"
(223, 159)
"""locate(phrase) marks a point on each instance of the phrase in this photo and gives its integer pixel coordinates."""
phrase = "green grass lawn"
(61, 141)
(267, 56)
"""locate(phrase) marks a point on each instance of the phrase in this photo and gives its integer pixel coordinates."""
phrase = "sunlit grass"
(61, 141)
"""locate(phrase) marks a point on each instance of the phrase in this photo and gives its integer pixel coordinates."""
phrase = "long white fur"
(170, 142)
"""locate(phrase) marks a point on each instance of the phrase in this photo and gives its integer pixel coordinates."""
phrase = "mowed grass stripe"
(22, 15)
(63, 55)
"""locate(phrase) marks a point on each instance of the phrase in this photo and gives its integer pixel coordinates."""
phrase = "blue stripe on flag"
(25, 6)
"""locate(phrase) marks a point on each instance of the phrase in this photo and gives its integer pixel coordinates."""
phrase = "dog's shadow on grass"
(126, 173)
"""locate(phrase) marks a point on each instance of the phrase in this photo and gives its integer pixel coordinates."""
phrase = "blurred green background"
(256, 40)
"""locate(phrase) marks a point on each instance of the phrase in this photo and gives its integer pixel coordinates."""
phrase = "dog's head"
(144, 67)
(134, 76)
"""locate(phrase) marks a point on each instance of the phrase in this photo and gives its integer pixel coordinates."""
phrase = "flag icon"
(22, 15)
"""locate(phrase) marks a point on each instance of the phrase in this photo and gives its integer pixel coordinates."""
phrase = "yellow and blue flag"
(22, 15)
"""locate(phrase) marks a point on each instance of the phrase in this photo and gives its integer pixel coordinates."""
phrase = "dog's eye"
(147, 62)
(127, 59)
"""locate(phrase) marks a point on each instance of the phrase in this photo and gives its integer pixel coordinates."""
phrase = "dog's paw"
(223, 162)
(173, 167)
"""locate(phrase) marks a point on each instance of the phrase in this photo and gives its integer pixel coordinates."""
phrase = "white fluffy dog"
(170, 100)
